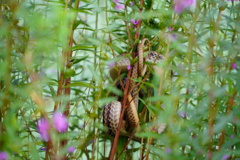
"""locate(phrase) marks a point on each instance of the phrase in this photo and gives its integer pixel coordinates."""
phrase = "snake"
(112, 111)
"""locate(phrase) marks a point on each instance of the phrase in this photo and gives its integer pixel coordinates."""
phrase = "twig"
(124, 102)
(139, 24)
(231, 102)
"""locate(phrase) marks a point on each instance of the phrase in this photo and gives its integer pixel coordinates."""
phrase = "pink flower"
(180, 5)
(225, 157)
(131, 4)
(43, 129)
(168, 150)
(3, 155)
(111, 64)
(134, 22)
(172, 37)
(129, 67)
(234, 66)
(43, 148)
(71, 149)
(182, 114)
(119, 6)
(116, 1)
(60, 122)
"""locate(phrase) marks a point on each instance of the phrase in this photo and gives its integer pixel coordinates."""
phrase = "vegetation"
(54, 77)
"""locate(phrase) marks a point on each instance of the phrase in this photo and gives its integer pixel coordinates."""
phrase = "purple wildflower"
(116, 1)
(43, 148)
(182, 114)
(60, 122)
(53, 71)
(172, 37)
(71, 149)
(225, 157)
(119, 7)
(232, 136)
(43, 129)
(168, 150)
(3, 155)
(234, 66)
(180, 5)
(134, 22)
(129, 67)
(131, 4)
(111, 64)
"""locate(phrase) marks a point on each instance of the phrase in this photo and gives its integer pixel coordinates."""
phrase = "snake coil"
(111, 112)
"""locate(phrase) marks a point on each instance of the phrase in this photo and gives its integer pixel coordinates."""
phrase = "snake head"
(154, 57)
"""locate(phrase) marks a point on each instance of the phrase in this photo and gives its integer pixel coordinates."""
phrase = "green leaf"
(69, 73)
(82, 47)
(81, 84)
(78, 59)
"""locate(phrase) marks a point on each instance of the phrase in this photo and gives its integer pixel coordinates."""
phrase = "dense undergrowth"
(54, 80)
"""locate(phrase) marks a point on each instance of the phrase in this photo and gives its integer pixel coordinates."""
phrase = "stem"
(66, 63)
(7, 78)
(94, 83)
(140, 21)
(212, 108)
(231, 102)
(124, 104)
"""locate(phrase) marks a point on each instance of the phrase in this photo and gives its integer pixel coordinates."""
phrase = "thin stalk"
(140, 21)
(229, 109)
(94, 82)
(7, 78)
(66, 63)
(212, 108)
(124, 105)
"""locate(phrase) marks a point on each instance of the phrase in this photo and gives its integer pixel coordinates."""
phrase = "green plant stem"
(94, 83)
(229, 109)
(212, 108)
(7, 77)
(66, 63)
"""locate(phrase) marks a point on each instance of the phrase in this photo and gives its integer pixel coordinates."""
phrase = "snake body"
(111, 112)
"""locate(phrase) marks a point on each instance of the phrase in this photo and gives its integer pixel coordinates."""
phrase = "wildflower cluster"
(118, 5)
(59, 121)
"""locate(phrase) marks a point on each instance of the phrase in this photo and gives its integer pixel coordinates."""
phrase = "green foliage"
(55, 56)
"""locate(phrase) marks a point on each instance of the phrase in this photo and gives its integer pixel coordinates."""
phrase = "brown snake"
(111, 112)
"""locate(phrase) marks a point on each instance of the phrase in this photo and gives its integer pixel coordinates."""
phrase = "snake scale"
(112, 111)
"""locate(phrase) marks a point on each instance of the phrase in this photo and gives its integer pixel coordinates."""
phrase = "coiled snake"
(111, 112)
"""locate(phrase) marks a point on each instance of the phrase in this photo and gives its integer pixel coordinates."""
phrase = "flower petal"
(119, 6)
(71, 149)
(3, 155)
(43, 129)
(180, 5)
(60, 122)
